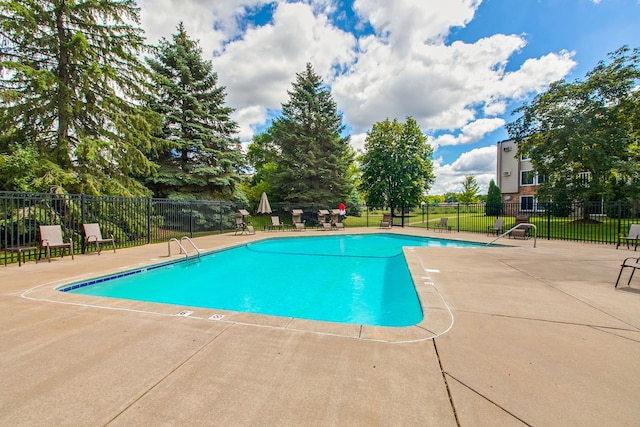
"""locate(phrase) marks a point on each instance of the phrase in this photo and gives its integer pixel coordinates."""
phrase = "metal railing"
(526, 226)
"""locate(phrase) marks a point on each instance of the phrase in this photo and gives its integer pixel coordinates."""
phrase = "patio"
(513, 336)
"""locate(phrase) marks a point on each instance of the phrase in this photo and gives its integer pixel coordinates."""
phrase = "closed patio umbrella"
(263, 206)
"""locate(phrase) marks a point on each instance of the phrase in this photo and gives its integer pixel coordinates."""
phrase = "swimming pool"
(359, 279)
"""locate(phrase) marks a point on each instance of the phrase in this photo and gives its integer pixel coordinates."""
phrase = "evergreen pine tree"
(199, 157)
(313, 156)
(69, 88)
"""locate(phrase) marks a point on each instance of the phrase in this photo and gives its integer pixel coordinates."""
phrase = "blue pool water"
(360, 279)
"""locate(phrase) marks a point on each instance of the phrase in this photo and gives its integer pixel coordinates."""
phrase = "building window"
(527, 178)
(527, 203)
(531, 178)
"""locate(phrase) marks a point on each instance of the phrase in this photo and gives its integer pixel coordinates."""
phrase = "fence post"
(366, 211)
(427, 216)
(148, 220)
(549, 221)
(619, 217)
(458, 217)
(191, 218)
(82, 219)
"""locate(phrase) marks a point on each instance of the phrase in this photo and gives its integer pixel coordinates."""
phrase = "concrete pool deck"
(512, 336)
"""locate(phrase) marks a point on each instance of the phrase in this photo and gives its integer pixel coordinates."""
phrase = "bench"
(633, 264)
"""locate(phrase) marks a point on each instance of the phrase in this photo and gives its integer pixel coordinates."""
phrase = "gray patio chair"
(442, 225)
(633, 236)
(386, 221)
(498, 225)
(296, 217)
(51, 238)
(93, 235)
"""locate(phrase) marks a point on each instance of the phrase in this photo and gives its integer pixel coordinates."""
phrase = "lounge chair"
(51, 238)
(633, 236)
(242, 226)
(323, 224)
(520, 232)
(498, 225)
(296, 218)
(633, 264)
(275, 224)
(386, 221)
(93, 235)
(335, 220)
(442, 225)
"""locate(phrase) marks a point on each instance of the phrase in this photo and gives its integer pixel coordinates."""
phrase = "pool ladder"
(181, 246)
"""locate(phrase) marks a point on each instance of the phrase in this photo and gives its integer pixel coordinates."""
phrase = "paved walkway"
(511, 336)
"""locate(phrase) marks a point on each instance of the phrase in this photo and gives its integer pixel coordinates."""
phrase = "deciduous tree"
(396, 164)
(584, 136)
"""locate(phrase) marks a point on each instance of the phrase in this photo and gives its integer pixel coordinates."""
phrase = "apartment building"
(516, 178)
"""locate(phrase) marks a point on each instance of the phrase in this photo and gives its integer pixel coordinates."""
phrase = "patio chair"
(520, 232)
(51, 238)
(336, 222)
(498, 225)
(633, 236)
(322, 220)
(386, 221)
(93, 235)
(242, 226)
(442, 225)
(296, 218)
(633, 264)
(275, 224)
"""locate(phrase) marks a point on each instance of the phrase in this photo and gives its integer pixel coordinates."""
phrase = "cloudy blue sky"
(459, 67)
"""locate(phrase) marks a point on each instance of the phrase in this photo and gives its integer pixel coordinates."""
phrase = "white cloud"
(409, 22)
(260, 68)
(471, 132)
(479, 163)
(357, 141)
(249, 119)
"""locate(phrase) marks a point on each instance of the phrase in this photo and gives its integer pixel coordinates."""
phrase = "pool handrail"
(191, 243)
(522, 224)
(182, 248)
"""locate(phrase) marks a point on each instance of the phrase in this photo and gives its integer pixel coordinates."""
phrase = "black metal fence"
(596, 222)
(132, 221)
(137, 221)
